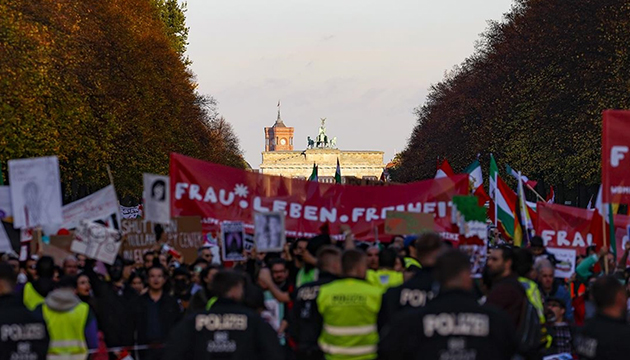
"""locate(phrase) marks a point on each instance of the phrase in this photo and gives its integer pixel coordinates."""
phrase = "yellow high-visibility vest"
(31, 297)
(67, 332)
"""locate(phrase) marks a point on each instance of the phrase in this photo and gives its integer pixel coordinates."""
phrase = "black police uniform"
(603, 338)
(22, 334)
(414, 293)
(452, 326)
(227, 331)
(305, 326)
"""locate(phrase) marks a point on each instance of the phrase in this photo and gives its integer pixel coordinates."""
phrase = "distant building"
(279, 158)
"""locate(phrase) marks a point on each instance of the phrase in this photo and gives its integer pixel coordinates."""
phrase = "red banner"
(616, 156)
(563, 226)
(219, 193)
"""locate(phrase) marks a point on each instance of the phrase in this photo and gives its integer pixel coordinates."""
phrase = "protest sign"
(101, 205)
(220, 193)
(232, 241)
(130, 212)
(5, 202)
(156, 198)
(249, 243)
(35, 191)
(405, 222)
(616, 156)
(96, 241)
(269, 231)
(182, 234)
(565, 268)
(562, 226)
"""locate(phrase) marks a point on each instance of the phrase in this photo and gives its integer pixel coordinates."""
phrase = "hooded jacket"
(63, 300)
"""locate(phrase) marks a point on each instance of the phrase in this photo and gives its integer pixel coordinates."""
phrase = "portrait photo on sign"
(269, 233)
(156, 198)
(233, 241)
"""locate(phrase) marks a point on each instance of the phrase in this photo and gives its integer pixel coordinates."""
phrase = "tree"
(532, 94)
(173, 15)
(99, 83)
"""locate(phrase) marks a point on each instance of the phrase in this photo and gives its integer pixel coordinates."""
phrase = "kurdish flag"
(313, 176)
(338, 173)
(504, 204)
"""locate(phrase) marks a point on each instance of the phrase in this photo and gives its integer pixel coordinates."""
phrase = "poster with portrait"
(157, 200)
(232, 241)
(269, 233)
(35, 192)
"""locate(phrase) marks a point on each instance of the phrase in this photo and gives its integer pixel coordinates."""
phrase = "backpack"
(529, 327)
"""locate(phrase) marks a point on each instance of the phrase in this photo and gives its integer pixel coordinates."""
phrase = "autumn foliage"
(532, 93)
(100, 82)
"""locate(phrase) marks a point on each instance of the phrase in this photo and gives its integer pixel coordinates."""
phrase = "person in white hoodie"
(71, 324)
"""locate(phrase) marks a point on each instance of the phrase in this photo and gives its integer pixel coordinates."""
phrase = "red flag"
(551, 197)
(444, 170)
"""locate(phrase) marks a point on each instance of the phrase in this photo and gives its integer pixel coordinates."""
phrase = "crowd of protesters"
(322, 298)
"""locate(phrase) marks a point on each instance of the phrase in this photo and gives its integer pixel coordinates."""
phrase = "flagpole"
(604, 239)
(537, 194)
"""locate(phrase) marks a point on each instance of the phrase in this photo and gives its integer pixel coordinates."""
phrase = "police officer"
(348, 309)
(420, 288)
(22, 334)
(306, 325)
(226, 330)
(385, 277)
(36, 290)
(453, 325)
(605, 337)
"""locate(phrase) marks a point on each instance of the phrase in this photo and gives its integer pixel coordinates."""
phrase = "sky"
(364, 65)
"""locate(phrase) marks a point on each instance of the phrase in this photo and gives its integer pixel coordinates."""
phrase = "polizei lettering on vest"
(349, 299)
(415, 298)
(214, 322)
(466, 324)
(22, 332)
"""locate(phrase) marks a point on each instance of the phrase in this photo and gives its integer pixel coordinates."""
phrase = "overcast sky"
(362, 64)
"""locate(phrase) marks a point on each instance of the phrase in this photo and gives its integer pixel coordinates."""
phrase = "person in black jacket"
(304, 327)
(228, 330)
(453, 325)
(418, 290)
(22, 334)
(154, 314)
(605, 337)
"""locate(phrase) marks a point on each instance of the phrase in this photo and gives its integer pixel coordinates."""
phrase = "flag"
(444, 170)
(476, 182)
(551, 197)
(516, 174)
(602, 224)
(525, 218)
(589, 206)
(313, 176)
(503, 204)
(338, 173)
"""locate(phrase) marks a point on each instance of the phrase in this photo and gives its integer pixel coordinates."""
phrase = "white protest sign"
(96, 241)
(130, 212)
(269, 231)
(566, 262)
(5, 202)
(98, 206)
(35, 192)
(157, 200)
(233, 241)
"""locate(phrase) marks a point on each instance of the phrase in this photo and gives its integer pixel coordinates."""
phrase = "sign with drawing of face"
(35, 192)
(233, 240)
(269, 233)
(156, 199)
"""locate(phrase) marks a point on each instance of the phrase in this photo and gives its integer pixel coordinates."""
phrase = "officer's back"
(348, 309)
(22, 334)
(605, 337)
(305, 325)
(417, 291)
(227, 330)
(453, 325)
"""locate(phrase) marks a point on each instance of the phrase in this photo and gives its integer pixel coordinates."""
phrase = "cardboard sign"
(96, 241)
(405, 223)
(232, 241)
(182, 234)
(269, 231)
(566, 262)
(35, 192)
(157, 200)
